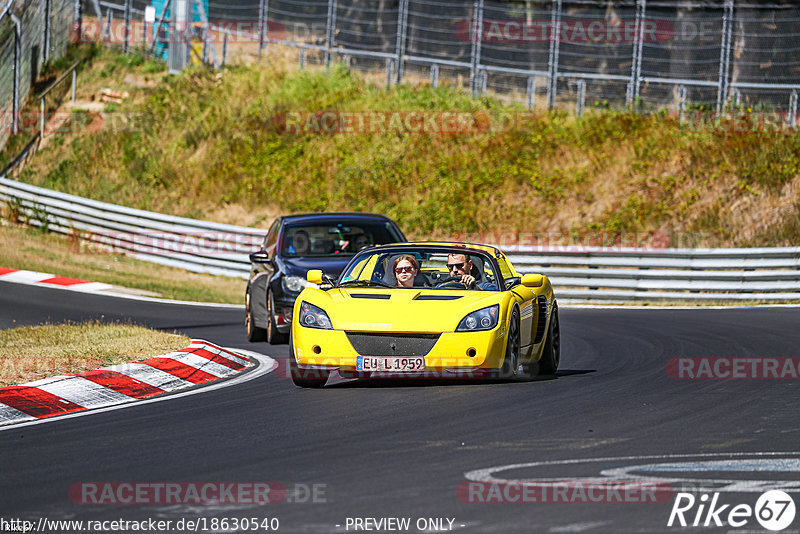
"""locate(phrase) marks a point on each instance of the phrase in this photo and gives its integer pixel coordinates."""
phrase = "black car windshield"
(320, 240)
(437, 267)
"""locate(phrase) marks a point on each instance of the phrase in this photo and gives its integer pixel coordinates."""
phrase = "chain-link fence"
(647, 54)
(32, 32)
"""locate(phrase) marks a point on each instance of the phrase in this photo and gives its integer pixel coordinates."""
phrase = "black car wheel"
(273, 336)
(511, 360)
(551, 356)
(254, 333)
(305, 378)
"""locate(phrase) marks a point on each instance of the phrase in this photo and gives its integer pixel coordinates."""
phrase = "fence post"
(41, 118)
(724, 54)
(109, 22)
(390, 68)
(793, 109)
(48, 9)
(434, 75)
(127, 38)
(681, 102)
(530, 93)
(17, 61)
(476, 33)
(552, 62)
(581, 97)
(263, 14)
(638, 45)
(224, 48)
(331, 28)
(74, 83)
(301, 59)
(77, 14)
(402, 21)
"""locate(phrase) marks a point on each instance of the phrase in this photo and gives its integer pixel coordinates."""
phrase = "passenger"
(405, 269)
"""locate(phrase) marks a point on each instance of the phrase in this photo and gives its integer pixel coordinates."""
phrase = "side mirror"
(532, 280)
(314, 276)
(262, 256)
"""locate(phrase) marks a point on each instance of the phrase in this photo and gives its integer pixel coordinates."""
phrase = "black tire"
(273, 336)
(551, 356)
(254, 333)
(305, 378)
(510, 366)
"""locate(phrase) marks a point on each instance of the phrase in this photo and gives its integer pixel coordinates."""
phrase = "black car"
(293, 245)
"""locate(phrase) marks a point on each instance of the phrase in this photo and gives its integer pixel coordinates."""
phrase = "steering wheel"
(450, 281)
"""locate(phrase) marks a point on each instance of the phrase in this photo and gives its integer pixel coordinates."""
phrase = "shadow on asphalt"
(439, 382)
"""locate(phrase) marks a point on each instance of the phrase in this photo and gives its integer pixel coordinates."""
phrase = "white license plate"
(393, 364)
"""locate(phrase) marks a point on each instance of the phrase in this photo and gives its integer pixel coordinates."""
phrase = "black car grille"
(392, 344)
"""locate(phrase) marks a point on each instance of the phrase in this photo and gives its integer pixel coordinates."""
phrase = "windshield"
(435, 267)
(320, 240)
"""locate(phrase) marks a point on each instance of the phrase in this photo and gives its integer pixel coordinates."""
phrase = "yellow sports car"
(425, 309)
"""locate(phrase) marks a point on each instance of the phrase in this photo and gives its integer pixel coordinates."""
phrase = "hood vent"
(438, 297)
(374, 296)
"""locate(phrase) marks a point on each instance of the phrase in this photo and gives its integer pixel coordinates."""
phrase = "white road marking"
(778, 462)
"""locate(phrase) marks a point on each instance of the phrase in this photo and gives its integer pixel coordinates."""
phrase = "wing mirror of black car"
(513, 281)
(262, 256)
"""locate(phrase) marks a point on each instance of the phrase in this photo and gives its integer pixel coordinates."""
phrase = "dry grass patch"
(31, 353)
(33, 250)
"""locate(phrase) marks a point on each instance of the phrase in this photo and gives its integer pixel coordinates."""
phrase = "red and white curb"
(199, 363)
(33, 278)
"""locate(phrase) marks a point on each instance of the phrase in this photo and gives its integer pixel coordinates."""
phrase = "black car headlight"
(295, 284)
(483, 319)
(314, 317)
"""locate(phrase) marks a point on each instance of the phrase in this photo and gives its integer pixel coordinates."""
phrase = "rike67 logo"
(774, 510)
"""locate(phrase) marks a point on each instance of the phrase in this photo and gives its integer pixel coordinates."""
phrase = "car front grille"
(368, 344)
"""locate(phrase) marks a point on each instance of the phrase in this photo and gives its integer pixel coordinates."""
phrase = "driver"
(460, 266)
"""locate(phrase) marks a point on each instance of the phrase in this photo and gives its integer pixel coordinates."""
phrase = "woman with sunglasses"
(405, 269)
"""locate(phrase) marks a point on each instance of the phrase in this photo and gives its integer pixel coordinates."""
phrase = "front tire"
(551, 355)
(273, 336)
(254, 333)
(305, 378)
(510, 367)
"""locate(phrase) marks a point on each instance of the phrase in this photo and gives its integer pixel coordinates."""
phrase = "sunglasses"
(408, 269)
(452, 266)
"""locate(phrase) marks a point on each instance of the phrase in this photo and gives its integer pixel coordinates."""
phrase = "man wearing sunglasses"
(459, 265)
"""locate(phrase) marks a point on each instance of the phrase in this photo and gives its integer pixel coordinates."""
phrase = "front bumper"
(333, 350)
(283, 314)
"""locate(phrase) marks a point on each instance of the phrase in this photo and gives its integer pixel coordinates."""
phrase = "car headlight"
(295, 284)
(314, 317)
(483, 319)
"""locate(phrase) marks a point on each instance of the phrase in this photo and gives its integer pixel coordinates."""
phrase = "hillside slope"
(241, 147)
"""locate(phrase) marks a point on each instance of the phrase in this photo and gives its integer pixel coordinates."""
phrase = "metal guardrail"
(622, 274)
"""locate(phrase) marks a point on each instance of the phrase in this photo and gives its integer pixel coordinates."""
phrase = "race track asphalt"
(392, 449)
